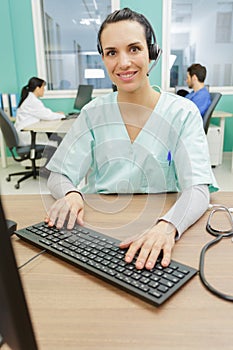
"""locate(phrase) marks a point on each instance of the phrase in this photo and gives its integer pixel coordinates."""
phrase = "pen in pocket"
(169, 157)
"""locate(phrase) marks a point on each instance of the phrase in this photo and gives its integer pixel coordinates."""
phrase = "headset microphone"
(155, 62)
(154, 49)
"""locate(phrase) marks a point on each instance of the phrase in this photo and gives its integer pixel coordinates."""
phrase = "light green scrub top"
(169, 154)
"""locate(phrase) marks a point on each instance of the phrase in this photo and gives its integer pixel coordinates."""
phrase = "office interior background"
(57, 42)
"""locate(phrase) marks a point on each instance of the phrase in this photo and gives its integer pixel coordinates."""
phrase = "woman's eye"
(111, 53)
(134, 49)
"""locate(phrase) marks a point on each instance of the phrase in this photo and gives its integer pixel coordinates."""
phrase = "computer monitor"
(15, 324)
(182, 90)
(84, 95)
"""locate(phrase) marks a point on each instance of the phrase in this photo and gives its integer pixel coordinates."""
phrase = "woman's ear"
(36, 91)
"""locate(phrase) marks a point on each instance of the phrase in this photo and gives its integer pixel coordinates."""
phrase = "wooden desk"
(73, 310)
(55, 126)
(59, 126)
(222, 115)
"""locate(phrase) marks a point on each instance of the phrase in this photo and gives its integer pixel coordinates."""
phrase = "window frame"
(165, 73)
(39, 47)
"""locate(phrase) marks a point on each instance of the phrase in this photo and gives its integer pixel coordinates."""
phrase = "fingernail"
(165, 263)
(128, 258)
(139, 264)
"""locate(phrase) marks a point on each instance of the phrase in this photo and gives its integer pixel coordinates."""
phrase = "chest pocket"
(159, 174)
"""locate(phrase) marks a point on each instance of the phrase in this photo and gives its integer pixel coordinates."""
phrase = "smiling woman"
(127, 57)
(134, 140)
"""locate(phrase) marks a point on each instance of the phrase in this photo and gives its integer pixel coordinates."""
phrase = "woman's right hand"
(68, 209)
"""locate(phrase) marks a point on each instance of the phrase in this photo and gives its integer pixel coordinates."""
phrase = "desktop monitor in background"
(182, 90)
(15, 324)
(84, 95)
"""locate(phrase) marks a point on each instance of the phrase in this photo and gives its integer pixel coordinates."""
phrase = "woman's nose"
(124, 60)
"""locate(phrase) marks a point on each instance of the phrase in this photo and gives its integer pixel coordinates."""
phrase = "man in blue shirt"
(196, 75)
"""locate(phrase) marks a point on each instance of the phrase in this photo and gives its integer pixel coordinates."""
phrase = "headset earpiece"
(99, 48)
(153, 48)
(153, 51)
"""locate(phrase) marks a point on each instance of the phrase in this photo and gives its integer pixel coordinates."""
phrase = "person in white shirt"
(31, 110)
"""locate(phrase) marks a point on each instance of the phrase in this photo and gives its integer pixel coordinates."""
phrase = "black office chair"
(19, 153)
(215, 97)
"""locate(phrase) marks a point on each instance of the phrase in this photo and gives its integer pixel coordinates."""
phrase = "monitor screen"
(84, 94)
(15, 323)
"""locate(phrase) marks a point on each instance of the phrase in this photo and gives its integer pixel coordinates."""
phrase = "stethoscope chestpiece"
(222, 233)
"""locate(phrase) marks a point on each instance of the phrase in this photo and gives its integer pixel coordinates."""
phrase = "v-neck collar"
(147, 123)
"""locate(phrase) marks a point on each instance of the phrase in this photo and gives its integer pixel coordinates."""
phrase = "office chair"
(215, 97)
(19, 153)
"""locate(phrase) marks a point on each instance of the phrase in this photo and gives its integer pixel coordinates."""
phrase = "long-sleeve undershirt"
(189, 207)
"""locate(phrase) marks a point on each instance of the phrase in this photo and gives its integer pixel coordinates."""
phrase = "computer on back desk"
(84, 95)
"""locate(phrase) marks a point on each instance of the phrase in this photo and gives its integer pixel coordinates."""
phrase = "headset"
(153, 48)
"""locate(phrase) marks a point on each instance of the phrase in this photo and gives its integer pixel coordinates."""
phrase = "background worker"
(196, 75)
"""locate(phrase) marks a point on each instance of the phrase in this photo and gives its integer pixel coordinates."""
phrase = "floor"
(223, 174)
(29, 186)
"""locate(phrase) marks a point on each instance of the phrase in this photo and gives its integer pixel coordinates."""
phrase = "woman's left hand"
(159, 238)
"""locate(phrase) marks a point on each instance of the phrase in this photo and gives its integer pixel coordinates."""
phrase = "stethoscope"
(219, 234)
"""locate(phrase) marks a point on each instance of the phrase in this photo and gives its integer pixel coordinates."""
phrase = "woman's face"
(125, 54)
(39, 91)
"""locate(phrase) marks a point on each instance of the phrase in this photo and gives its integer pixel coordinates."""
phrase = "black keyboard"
(100, 255)
(72, 115)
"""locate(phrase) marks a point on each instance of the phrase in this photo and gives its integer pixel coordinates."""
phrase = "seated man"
(196, 75)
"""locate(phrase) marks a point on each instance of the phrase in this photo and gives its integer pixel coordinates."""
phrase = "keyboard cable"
(31, 259)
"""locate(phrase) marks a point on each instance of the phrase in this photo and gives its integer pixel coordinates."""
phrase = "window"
(66, 34)
(200, 31)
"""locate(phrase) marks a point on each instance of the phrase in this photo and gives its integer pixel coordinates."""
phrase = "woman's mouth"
(126, 76)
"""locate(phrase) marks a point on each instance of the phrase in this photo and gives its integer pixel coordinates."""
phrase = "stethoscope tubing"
(218, 236)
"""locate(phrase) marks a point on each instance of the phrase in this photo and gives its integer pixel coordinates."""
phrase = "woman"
(136, 140)
(31, 110)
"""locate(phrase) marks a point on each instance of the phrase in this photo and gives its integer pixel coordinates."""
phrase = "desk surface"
(60, 126)
(221, 114)
(73, 310)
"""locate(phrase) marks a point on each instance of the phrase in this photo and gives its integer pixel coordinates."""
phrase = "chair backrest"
(8, 130)
(215, 97)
